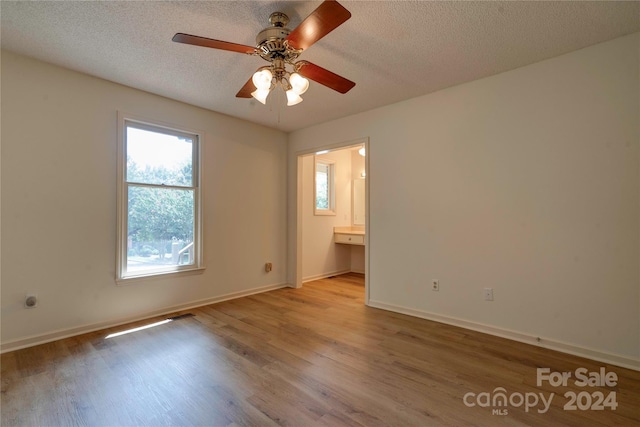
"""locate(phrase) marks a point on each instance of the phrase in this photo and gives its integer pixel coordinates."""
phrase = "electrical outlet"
(268, 267)
(488, 294)
(435, 285)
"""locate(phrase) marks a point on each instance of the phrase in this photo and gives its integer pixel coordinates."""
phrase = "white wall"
(321, 257)
(357, 252)
(526, 182)
(59, 195)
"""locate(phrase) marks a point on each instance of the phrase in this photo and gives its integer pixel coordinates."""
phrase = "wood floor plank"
(314, 356)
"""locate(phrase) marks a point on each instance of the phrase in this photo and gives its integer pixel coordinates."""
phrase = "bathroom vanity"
(349, 235)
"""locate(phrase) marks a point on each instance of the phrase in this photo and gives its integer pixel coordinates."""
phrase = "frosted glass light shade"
(262, 79)
(261, 95)
(298, 83)
(293, 98)
(361, 152)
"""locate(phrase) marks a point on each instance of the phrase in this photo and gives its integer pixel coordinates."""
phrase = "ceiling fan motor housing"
(270, 41)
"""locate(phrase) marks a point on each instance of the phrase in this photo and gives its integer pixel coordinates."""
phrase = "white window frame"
(331, 186)
(122, 277)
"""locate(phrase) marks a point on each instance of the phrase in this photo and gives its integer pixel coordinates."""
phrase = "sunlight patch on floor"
(140, 328)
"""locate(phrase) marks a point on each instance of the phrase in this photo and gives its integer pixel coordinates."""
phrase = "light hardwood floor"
(296, 357)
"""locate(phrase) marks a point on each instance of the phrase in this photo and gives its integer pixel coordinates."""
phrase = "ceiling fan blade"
(326, 18)
(324, 77)
(246, 90)
(214, 44)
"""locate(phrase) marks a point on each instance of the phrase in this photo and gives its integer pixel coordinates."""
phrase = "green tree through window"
(324, 187)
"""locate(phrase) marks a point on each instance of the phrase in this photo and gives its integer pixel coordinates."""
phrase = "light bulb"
(298, 83)
(262, 79)
(261, 95)
(293, 98)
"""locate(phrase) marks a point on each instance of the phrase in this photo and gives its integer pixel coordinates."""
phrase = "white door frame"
(298, 247)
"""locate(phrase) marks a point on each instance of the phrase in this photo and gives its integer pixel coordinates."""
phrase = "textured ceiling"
(393, 50)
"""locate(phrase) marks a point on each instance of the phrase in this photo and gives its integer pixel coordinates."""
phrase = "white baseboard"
(600, 356)
(66, 333)
(324, 275)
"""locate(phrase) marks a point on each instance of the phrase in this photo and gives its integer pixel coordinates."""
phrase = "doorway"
(332, 196)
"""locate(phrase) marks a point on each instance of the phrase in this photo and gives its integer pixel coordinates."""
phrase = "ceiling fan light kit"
(265, 80)
(281, 47)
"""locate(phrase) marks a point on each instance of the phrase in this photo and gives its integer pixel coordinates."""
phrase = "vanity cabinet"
(349, 235)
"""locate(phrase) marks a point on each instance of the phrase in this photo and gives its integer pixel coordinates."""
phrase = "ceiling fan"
(281, 47)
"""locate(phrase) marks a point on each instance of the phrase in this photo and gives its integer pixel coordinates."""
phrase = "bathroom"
(333, 212)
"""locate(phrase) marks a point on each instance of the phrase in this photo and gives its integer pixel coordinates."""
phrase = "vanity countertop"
(349, 230)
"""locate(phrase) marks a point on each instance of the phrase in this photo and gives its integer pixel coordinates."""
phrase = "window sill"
(130, 280)
(324, 213)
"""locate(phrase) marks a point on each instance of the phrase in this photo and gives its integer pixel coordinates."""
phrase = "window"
(324, 187)
(158, 200)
